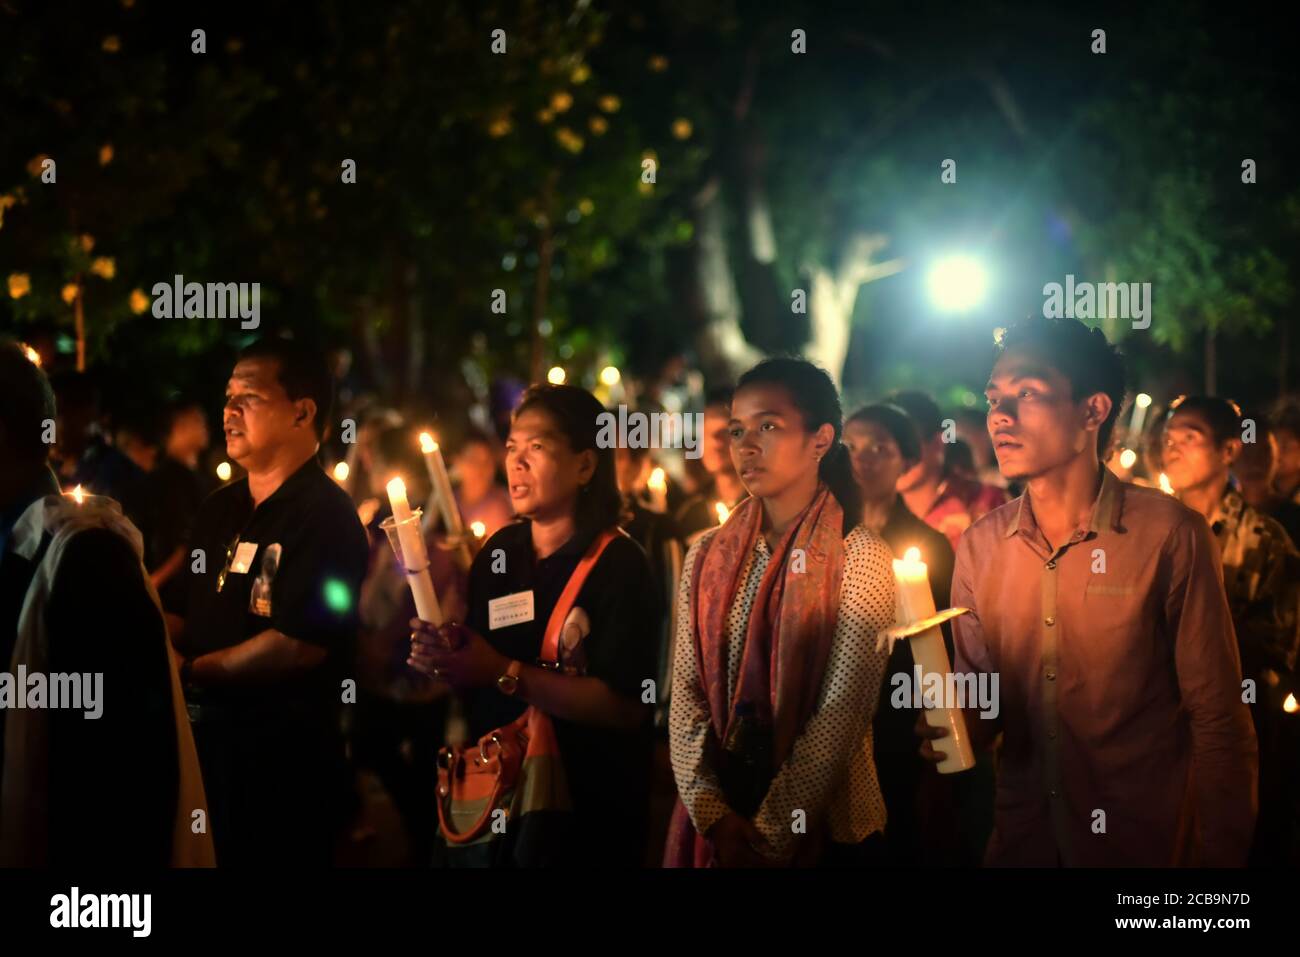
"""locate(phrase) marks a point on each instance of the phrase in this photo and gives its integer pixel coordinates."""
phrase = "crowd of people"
(646, 658)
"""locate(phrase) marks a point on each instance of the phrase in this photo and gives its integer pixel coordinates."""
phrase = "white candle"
(658, 486)
(916, 601)
(414, 556)
(441, 483)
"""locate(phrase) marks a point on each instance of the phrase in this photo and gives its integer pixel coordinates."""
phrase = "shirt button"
(1051, 564)
(1052, 792)
(1049, 620)
(1051, 674)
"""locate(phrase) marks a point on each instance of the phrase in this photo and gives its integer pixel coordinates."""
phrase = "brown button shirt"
(1126, 742)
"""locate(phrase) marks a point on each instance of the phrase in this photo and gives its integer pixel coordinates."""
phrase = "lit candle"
(1289, 705)
(341, 472)
(1139, 416)
(412, 552)
(478, 528)
(1165, 486)
(223, 471)
(916, 601)
(658, 486)
(79, 496)
(722, 511)
(441, 483)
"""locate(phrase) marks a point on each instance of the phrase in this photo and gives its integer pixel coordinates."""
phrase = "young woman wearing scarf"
(776, 673)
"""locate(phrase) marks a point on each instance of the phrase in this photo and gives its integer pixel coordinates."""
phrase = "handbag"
(504, 801)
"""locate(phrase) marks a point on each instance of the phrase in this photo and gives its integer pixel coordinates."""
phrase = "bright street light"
(957, 283)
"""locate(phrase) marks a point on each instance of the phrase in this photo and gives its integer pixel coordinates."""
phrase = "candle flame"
(223, 471)
(1164, 484)
(657, 480)
(32, 355)
(78, 495)
(1143, 400)
(478, 528)
(396, 487)
(913, 554)
(722, 511)
(427, 443)
(341, 472)
(1127, 458)
(1289, 705)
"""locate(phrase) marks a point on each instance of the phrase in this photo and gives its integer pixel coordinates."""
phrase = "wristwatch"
(509, 682)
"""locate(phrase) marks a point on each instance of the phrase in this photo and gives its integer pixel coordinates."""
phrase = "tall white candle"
(414, 556)
(441, 482)
(916, 601)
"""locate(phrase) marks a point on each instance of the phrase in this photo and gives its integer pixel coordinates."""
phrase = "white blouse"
(830, 774)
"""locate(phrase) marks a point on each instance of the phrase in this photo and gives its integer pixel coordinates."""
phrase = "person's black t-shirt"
(293, 564)
(607, 770)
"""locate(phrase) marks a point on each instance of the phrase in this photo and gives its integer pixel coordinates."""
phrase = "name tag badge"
(243, 560)
(510, 610)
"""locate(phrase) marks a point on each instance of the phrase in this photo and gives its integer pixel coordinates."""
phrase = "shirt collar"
(289, 486)
(1106, 511)
(1230, 510)
(576, 546)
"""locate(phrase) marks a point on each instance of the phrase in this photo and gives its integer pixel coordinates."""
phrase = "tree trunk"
(722, 347)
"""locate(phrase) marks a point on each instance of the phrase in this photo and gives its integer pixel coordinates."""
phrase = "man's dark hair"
(922, 410)
(576, 415)
(302, 371)
(26, 402)
(897, 423)
(1079, 353)
(1223, 416)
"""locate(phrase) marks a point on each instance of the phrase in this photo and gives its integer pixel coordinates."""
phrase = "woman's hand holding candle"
(456, 654)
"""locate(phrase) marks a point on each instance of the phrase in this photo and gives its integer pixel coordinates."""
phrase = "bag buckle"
(482, 746)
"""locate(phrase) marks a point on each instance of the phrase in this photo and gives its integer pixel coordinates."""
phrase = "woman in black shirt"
(601, 697)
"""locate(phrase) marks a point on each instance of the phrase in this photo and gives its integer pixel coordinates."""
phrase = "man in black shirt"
(272, 618)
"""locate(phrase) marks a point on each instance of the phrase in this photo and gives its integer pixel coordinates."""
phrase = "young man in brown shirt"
(1101, 607)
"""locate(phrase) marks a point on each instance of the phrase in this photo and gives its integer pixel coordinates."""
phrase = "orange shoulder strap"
(551, 639)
